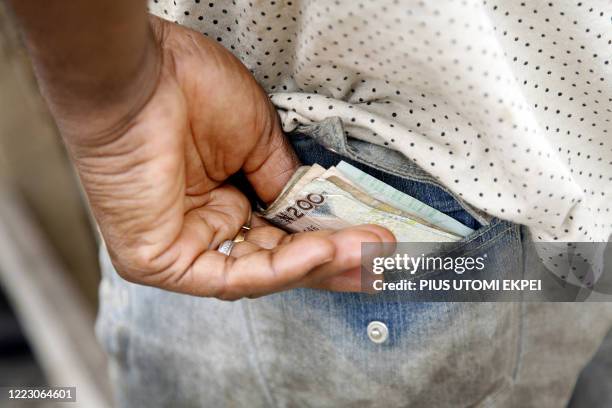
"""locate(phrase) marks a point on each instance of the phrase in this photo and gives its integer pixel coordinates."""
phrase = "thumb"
(272, 163)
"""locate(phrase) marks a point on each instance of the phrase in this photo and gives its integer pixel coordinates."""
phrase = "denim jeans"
(310, 348)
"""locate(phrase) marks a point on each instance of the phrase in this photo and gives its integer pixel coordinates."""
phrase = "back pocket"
(314, 348)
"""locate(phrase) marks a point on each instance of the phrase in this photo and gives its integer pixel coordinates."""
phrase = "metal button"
(378, 332)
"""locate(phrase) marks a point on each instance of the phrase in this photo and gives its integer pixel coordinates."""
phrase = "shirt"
(508, 104)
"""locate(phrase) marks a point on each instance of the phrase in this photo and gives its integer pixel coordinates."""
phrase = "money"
(396, 198)
(317, 198)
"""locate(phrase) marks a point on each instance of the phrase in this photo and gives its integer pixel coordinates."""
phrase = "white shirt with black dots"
(509, 104)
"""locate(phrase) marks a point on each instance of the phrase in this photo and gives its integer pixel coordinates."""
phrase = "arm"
(156, 117)
(96, 61)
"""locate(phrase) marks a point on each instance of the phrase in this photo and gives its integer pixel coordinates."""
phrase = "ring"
(242, 234)
(226, 247)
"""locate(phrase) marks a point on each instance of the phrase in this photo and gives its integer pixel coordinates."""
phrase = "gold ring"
(241, 236)
(242, 233)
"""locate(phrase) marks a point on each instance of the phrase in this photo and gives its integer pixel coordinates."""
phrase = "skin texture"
(94, 59)
(154, 165)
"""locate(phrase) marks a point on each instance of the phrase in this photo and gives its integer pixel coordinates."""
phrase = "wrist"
(90, 111)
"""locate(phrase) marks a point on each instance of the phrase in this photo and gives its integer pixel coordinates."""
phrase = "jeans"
(310, 348)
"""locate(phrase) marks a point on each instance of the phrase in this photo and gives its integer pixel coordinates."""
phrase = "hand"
(156, 183)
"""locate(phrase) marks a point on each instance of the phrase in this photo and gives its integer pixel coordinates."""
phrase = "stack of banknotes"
(317, 198)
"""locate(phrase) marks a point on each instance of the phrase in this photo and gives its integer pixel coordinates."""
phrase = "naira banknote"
(317, 198)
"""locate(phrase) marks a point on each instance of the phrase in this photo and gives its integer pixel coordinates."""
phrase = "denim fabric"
(594, 387)
(309, 348)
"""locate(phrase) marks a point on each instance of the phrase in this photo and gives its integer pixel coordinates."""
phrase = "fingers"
(272, 163)
(225, 213)
(343, 274)
(258, 273)
(270, 260)
(348, 244)
(258, 238)
(202, 229)
(299, 260)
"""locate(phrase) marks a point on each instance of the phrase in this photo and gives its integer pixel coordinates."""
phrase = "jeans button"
(378, 332)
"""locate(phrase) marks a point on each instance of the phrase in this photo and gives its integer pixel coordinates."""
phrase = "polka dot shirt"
(509, 104)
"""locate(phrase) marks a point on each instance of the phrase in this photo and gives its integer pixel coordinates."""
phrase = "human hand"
(156, 183)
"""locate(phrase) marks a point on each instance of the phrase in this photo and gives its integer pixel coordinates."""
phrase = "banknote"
(404, 202)
(317, 198)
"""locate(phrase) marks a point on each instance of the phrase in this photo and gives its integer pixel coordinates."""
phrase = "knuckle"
(226, 290)
(127, 272)
(139, 265)
(143, 260)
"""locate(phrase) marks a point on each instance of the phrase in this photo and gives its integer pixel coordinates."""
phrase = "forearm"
(95, 60)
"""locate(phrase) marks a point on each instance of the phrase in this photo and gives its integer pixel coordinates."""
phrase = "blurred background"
(49, 273)
(48, 252)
